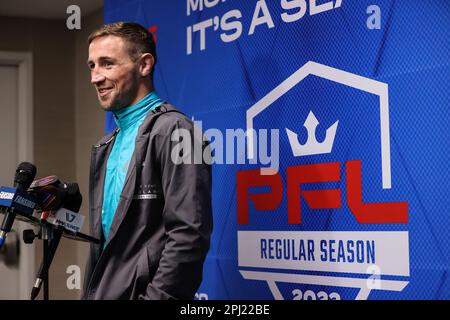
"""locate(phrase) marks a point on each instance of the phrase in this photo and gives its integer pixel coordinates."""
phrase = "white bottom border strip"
(362, 283)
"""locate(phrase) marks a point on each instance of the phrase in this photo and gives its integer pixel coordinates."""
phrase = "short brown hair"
(139, 39)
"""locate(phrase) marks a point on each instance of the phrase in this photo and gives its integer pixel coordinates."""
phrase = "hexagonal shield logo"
(328, 222)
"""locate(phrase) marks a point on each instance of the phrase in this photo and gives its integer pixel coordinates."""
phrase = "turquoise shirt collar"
(128, 120)
(128, 116)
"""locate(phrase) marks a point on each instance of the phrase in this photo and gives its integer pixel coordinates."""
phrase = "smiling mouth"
(104, 91)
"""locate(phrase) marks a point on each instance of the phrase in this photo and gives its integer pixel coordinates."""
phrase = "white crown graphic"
(312, 146)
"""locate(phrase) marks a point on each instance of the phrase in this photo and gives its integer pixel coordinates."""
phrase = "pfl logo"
(296, 176)
(342, 253)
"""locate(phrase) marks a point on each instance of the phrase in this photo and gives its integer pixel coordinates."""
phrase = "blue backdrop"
(381, 74)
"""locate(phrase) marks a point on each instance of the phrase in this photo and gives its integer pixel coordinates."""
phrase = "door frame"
(24, 62)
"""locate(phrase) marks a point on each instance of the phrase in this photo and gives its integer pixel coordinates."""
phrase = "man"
(153, 216)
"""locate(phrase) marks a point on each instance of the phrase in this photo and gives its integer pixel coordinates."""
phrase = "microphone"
(71, 201)
(50, 193)
(25, 174)
(59, 202)
(68, 216)
(74, 198)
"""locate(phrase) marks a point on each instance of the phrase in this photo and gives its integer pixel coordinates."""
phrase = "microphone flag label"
(19, 200)
(70, 220)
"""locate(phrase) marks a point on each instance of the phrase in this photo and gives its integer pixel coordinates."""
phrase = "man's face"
(113, 72)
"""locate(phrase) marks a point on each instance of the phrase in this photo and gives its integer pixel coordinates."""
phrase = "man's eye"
(107, 64)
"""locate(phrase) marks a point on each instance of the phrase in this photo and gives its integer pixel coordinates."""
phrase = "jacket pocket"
(153, 262)
(142, 273)
(147, 264)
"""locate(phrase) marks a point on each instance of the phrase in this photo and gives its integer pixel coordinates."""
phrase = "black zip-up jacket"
(160, 233)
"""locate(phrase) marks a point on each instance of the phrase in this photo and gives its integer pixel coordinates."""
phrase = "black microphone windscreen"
(74, 198)
(25, 174)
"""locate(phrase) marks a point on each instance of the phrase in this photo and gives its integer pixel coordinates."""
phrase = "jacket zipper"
(89, 289)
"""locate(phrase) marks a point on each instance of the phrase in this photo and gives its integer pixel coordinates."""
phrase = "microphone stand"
(46, 235)
(51, 235)
(51, 238)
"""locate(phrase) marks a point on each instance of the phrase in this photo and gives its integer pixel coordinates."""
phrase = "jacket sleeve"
(187, 213)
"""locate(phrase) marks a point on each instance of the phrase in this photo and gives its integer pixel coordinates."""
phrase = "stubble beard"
(122, 99)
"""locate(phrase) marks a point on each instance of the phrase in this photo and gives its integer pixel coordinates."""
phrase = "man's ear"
(146, 65)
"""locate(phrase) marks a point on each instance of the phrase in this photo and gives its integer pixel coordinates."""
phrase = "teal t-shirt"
(128, 120)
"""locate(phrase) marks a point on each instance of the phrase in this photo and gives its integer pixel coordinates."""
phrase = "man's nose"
(96, 77)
